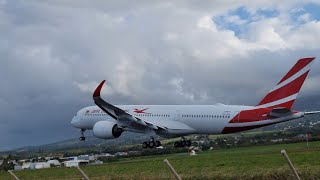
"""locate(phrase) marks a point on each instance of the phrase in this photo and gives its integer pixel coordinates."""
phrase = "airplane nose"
(74, 121)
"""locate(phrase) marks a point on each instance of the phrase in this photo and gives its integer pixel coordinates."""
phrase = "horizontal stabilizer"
(311, 112)
(280, 112)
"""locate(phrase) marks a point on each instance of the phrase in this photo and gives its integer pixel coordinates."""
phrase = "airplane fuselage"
(203, 119)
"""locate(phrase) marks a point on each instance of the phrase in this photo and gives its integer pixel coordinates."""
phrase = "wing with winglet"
(122, 116)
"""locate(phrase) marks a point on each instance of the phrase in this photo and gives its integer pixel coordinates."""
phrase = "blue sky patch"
(313, 9)
(243, 17)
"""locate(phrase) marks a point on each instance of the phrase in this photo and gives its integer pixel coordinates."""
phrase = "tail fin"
(285, 92)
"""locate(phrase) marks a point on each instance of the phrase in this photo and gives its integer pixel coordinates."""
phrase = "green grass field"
(258, 162)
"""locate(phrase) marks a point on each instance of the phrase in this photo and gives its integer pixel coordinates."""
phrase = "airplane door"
(177, 115)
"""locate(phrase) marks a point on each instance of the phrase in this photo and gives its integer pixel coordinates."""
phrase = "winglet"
(98, 89)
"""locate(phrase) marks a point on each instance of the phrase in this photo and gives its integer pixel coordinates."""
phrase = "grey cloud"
(54, 53)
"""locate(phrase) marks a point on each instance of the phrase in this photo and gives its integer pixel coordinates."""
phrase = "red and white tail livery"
(286, 91)
(109, 121)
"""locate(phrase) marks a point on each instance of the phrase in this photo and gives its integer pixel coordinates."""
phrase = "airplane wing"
(122, 116)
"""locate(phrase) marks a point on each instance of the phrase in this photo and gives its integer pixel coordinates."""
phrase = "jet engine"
(106, 130)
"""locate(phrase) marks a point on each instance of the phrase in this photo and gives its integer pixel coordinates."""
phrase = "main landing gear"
(82, 138)
(151, 144)
(182, 143)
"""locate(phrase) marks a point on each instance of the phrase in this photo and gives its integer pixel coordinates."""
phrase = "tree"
(7, 164)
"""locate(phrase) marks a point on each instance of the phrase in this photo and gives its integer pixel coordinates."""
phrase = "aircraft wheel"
(151, 144)
(158, 143)
(145, 145)
(188, 143)
(82, 138)
(177, 144)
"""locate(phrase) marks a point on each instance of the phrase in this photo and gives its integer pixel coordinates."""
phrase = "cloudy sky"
(54, 53)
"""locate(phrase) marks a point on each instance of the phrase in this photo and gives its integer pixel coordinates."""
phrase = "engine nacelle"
(106, 130)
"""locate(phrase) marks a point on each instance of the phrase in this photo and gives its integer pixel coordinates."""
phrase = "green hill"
(257, 162)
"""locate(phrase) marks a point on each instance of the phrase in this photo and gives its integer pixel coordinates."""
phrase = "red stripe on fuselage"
(259, 114)
(251, 115)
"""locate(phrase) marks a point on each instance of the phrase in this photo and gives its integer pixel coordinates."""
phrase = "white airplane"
(109, 121)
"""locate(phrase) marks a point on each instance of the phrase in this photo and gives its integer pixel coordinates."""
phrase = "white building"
(86, 157)
(54, 162)
(75, 163)
(121, 154)
(48, 158)
(72, 158)
(28, 166)
(41, 165)
(103, 155)
(17, 168)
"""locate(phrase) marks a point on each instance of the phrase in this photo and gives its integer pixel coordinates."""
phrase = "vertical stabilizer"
(285, 92)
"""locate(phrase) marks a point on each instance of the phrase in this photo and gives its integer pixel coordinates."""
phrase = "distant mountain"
(91, 142)
(308, 103)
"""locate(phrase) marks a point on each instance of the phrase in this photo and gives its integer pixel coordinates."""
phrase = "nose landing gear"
(151, 144)
(82, 137)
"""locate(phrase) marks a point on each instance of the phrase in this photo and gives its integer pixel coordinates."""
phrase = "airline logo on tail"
(279, 98)
(285, 92)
